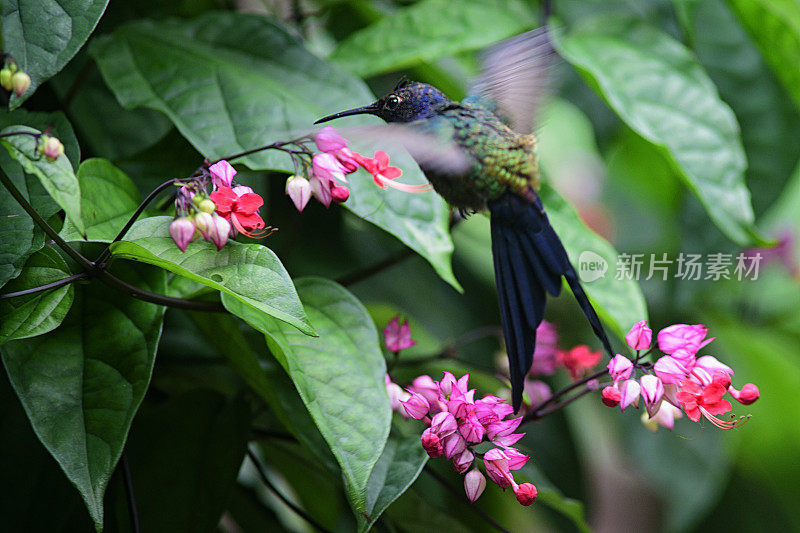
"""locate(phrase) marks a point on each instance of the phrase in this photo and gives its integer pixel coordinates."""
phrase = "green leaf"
(57, 176)
(340, 377)
(258, 85)
(58, 123)
(251, 273)
(657, 87)
(108, 199)
(185, 455)
(38, 313)
(43, 36)
(774, 26)
(82, 383)
(429, 30)
(398, 466)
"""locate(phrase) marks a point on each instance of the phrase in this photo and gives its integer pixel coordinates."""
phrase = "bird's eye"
(392, 102)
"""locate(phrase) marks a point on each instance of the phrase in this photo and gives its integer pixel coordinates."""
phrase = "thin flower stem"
(42, 223)
(458, 494)
(302, 514)
(538, 414)
(52, 285)
(139, 210)
(280, 145)
(159, 299)
(556, 395)
(130, 493)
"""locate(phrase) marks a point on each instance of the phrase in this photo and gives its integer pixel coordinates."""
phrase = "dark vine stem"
(302, 514)
(538, 414)
(535, 413)
(483, 514)
(133, 509)
(51, 285)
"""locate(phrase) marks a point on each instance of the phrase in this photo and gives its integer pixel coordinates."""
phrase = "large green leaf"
(57, 176)
(340, 377)
(58, 124)
(775, 28)
(44, 35)
(108, 199)
(428, 30)
(82, 383)
(231, 82)
(746, 83)
(38, 313)
(185, 455)
(251, 273)
(398, 466)
(657, 87)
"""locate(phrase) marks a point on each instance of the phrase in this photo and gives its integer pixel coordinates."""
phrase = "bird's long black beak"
(371, 109)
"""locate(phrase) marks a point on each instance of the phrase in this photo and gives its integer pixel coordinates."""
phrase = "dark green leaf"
(108, 199)
(58, 123)
(43, 36)
(251, 273)
(775, 28)
(241, 82)
(185, 455)
(429, 30)
(340, 377)
(398, 466)
(82, 383)
(657, 87)
(57, 176)
(38, 313)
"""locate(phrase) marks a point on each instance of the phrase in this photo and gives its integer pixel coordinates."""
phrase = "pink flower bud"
(340, 194)
(630, 393)
(611, 396)
(516, 459)
(427, 387)
(396, 395)
(51, 147)
(348, 159)
(327, 167)
(329, 140)
(721, 378)
(474, 484)
(443, 423)
(416, 406)
(526, 493)
(447, 383)
(472, 429)
(21, 82)
(670, 370)
(182, 231)
(683, 336)
(639, 336)
(320, 189)
(204, 223)
(432, 444)
(462, 461)
(747, 395)
(222, 174)
(454, 444)
(620, 367)
(497, 469)
(652, 392)
(222, 228)
(299, 190)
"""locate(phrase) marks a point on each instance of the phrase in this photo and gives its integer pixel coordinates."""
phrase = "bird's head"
(409, 101)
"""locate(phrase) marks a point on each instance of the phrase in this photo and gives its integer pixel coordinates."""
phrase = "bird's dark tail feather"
(529, 260)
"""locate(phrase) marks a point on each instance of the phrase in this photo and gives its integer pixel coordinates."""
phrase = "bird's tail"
(529, 260)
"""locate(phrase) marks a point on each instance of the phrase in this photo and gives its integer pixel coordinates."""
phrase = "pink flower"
(425, 386)
(497, 469)
(240, 207)
(670, 370)
(683, 337)
(50, 147)
(501, 428)
(705, 401)
(640, 336)
(222, 229)
(416, 406)
(516, 459)
(526, 493)
(652, 392)
(579, 359)
(222, 174)
(443, 423)
(665, 416)
(396, 395)
(299, 190)
(620, 367)
(182, 232)
(339, 193)
(348, 159)
(546, 351)
(449, 383)
(537, 391)
(321, 189)
(329, 140)
(611, 396)
(471, 428)
(705, 367)
(630, 394)
(325, 166)
(474, 484)
(396, 336)
(747, 395)
(204, 223)
(432, 444)
(463, 461)
(454, 444)
(379, 167)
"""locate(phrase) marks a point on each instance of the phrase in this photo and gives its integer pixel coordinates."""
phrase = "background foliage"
(672, 129)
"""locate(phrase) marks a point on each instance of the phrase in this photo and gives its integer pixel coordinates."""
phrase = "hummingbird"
(492, 127)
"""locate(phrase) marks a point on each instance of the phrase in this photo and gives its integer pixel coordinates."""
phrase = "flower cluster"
(12, 78)
(397, 336)
(229, 209)
(695, 385)
(328, 170)
(457, 422)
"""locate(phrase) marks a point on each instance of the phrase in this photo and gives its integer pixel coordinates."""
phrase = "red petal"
(224, 198)
(693, 414)
(712, 394)
(249, 221)
(391, 173)
(249, 203)
(719, 408)
(382, 159)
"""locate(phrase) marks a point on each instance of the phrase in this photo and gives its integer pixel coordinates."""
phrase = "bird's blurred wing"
(515, 77)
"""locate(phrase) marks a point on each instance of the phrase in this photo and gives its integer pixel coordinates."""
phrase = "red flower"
(240, 207)
(379, 167)
(579, 359)
(706, 401)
